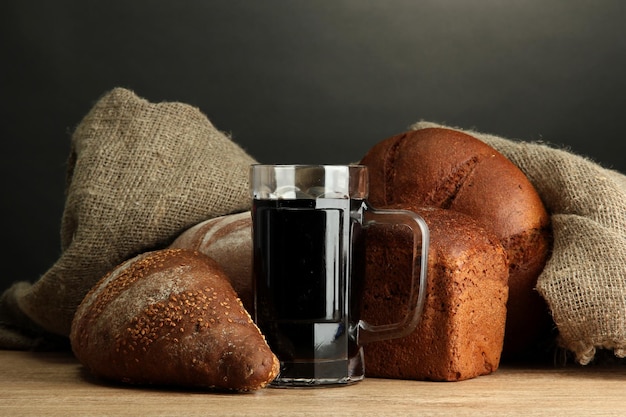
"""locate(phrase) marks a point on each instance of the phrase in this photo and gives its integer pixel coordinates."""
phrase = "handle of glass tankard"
(366, 332)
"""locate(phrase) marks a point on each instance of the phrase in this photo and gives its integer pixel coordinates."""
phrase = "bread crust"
(170, 317)
(448, 169)
(461, 331)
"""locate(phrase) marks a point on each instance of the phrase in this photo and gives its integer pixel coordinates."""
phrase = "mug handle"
(366, 332)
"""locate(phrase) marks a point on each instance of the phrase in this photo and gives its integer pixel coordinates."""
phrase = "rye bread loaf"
(170, 317)
(452, 170)
(461, 331)
(228, 240)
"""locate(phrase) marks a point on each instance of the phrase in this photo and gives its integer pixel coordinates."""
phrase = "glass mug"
(309, 225)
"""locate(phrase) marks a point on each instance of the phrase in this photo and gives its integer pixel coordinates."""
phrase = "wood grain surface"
(55, 384)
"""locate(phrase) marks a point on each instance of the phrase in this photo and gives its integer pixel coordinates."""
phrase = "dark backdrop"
(299, 81)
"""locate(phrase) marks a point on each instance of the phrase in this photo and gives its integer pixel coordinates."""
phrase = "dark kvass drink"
(305, 303)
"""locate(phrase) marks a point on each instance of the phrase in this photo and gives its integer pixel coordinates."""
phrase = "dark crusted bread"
(461, 332)
(171, 317)
(452, 170)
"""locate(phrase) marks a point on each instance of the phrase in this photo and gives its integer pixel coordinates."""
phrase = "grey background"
(299, 81)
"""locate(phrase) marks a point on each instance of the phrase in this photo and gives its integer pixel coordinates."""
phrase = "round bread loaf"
(171, 317)
(461, 330)
(452, 170)
(228, 240)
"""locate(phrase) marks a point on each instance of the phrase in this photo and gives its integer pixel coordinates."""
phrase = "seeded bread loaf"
(171, 317)
(461, 332)
(452, 170)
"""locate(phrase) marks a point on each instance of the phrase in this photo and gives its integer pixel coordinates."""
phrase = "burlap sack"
(139, 174)
(584, 281)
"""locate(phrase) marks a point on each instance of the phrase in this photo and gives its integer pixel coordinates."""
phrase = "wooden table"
(55, 384)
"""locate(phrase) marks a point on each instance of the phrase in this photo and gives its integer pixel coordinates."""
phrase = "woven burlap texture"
(584, 281)
(139, 173)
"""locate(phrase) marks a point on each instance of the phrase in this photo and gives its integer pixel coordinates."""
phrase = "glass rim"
(295, 181)
(281, 165)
